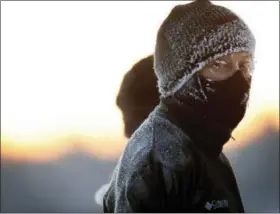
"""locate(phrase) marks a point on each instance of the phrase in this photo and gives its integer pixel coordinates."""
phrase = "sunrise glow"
(60, 74)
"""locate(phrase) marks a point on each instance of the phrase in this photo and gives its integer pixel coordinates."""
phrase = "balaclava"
(138, 94)
(192, 36)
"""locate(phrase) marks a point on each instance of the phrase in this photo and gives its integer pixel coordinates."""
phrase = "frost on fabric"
(201, 89)
(193, 90)
(156, 136)
(208, 87)
(99, 194)
(181, 82)
(243, 42)
(185, 79)
(245, 99)
(194, 96)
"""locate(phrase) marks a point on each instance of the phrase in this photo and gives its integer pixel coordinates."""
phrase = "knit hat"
(193, 35)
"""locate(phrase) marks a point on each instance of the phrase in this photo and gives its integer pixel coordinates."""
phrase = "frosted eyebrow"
(221, 62)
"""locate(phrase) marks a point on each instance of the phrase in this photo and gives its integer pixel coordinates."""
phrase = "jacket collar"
(207, 136)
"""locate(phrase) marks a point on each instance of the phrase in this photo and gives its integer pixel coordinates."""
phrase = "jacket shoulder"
(224, 159)
(171, 145)
(162, 140)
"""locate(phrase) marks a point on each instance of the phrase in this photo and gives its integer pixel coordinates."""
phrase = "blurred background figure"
(61, 130)
(137, 97)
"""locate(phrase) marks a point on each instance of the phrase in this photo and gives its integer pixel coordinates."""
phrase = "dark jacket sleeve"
(135, 188)
(147, 188)
(235, 185)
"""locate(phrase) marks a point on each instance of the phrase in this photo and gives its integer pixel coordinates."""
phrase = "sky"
(62, 64)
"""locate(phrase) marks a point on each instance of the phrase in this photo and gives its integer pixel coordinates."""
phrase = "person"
(137, 97)
(174, 162)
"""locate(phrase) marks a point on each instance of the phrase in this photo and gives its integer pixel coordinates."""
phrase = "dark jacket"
(163, 170)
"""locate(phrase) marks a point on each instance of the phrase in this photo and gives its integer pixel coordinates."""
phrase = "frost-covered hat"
(193, 35)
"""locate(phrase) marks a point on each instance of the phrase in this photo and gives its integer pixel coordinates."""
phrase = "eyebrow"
(221, 62)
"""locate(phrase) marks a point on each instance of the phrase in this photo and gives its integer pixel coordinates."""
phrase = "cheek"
(218, 74)
(247, 76)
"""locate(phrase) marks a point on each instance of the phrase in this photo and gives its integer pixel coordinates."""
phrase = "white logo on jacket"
(216, 204)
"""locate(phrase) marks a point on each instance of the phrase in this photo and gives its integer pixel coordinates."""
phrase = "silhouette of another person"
(138, 94)
(137, 97)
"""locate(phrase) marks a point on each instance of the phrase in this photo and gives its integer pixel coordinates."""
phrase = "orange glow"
(31, 152)
(60, 74)
(101, 135)
(109, 145)
(250, 129)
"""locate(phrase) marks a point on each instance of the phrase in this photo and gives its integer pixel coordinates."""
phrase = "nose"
(235, 66)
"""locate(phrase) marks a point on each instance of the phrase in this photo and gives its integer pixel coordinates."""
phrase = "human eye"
(215, 71)
(218, 64)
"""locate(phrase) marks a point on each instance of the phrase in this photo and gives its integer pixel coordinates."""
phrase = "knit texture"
(193, 35)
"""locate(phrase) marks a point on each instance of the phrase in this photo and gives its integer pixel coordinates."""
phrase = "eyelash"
(216, 65)
(244, 65)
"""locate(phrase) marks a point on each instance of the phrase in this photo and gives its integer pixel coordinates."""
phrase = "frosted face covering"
(227, 99)
(226, 84)
(219, 93)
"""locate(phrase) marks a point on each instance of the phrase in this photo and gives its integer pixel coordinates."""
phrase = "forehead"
(233, 57)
